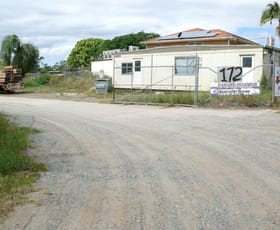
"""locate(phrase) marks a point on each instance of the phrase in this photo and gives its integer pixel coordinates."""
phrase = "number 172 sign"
(230, 74)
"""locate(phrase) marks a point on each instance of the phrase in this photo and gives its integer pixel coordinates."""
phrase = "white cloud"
(55, 26)
(62, 50)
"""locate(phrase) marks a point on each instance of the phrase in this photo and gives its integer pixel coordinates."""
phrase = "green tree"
(88, 50)
(84, 52)
(9, 49)
(29, 58)
(61, 65)
(133, 39)
(45, 68)
(20, 55)
(271, 12)
(1, 62)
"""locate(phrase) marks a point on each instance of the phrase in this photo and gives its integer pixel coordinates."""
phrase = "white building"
(175, 67)
(102, 68)
(173, 62)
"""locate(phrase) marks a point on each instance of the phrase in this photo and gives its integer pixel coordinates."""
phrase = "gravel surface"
(144, 167)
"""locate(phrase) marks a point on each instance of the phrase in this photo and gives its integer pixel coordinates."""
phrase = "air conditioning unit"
(269, 41)
(108, 54)
(133, 48)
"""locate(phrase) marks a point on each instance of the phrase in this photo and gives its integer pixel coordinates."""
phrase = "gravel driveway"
(144, 167)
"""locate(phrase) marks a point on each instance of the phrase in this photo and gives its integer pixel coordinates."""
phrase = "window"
(137, 67)
(127, 68)
(196, 43)
(185, 65)
(247, 62)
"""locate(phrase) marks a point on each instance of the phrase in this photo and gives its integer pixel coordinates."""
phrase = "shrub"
(265, 83)
(43, 79)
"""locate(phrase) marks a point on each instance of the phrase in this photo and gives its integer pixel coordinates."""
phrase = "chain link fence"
(80, 73)
(154, 85)
(163, 85)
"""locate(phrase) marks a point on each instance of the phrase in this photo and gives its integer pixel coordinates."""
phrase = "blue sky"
(258, 34)
(55, 26)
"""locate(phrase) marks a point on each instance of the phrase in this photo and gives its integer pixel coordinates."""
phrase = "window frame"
(195, 43)
(244, 63)
(186, 69)
(127, 68)
(137, 66)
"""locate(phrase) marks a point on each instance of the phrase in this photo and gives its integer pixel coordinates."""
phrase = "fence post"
(273, 78)
(196, 82)
(172, 79)
(151, 89)
(131, 86)
(113, 80)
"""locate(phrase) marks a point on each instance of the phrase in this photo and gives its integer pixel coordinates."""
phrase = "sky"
(54, 26)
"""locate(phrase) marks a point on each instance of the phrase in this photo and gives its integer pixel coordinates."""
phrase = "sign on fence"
(277, 82)
(233, 89)
(230, 83)
(230, 74)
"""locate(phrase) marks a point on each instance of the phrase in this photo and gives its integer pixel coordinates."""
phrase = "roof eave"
(199, 40)
(183, 48)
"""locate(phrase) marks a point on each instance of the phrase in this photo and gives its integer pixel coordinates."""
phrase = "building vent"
(108, 54)
(269, 41)
(133, 48)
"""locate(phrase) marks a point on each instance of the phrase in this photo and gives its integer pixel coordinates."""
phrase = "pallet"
(14, 78)
(11, 69)
(9, 74)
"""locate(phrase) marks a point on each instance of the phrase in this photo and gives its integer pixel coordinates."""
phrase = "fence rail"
(159, 84)
(153, 84)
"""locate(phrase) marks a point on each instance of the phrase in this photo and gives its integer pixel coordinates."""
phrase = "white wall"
(102, 68)
(163, 67)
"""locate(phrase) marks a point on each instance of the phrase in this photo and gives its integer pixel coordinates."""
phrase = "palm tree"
(272, 11)
(29, 57)
(9, 48)
(24, 56)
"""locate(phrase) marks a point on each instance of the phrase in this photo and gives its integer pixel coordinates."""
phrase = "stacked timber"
(9, 74)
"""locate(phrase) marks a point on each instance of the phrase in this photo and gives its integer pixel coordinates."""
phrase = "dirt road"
(141, 167)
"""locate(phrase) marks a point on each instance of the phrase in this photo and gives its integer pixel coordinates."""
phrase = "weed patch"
(165, 97)
(83, 85)
(17, 170)
(59, 84)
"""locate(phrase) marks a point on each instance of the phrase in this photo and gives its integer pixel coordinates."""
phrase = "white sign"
(230, 74)
(233, 89)
(277, 81)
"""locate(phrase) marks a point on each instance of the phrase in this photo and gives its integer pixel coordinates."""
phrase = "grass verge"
(65, 85)
(17, 171)
(167, 98)
(83, 86)
(262, 100)
(204, 99)
(59, 84)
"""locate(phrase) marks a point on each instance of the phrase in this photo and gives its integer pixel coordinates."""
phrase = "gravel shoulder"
(145, 167)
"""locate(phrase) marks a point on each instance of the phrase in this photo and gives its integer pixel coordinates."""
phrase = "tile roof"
(198, 34)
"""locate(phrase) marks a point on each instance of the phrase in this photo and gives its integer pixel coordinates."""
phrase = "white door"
(247, 64)
(137, 73)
